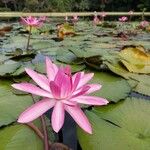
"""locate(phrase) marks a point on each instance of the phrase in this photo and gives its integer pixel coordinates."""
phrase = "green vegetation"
(74, 5)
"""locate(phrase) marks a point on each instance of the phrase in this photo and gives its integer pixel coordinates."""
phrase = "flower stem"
(46, 143)
(29, 37)
(36, 130)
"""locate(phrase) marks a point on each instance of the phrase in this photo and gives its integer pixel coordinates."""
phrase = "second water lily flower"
(144, 24)
(103, 14)
(96, 20)
(130, 12)
(33, 21)
(62, 91)
(75, 19)
(123, 19)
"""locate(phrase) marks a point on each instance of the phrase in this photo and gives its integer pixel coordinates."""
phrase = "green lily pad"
(8, 68)
(114, 88)
(19, 137)
(11, 105)
(121, 126)
(66, 56)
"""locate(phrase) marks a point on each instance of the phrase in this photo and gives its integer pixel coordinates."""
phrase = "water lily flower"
(43, 18)
(96, 20)
(123, 19)
(130, 12)
(144, 24)
(75, 19)
(32, 21)
(62, 91)
(103, 14)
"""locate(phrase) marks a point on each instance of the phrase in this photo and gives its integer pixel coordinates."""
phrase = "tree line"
(74, 5)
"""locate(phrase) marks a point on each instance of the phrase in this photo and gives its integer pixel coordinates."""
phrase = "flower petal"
(36, 110)
(39, 79)
(67, 70)
(58, 116)
(81, 91)
(64, 82)
(24, 21)
(31, 88)
(80, 118)
(75, 80)
(51, 69)
(55, 89)
(90, 100)
(84, 79)
(68, 102)
(93, 88)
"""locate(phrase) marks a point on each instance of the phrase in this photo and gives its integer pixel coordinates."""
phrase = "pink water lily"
(75, 19)
(60, 90)
(96, 20)
(33, 21)
(144, 24)
(103, 14)
(131, 12)
(123, 19)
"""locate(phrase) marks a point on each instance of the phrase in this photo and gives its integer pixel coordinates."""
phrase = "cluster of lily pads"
(120, 63)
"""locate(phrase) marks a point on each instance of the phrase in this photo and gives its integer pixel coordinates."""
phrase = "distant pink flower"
(32, 21)
(96, 20)
(144, 24)
(75, 19)
(123, 19)
(103, 14)
(62, 91)
(43, 18)
(130, 12)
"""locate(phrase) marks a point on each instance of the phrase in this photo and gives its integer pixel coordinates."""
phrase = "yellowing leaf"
(135, 59)
(64, 30)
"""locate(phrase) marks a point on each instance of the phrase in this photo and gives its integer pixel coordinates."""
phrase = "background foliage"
(74, 5)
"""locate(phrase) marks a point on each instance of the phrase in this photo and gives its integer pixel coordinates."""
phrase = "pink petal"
(24, 21)
(93, 88)
(55, 89)
(75, 80)
(80, 118)
(51, 69)
(81, 91)
(90, 100)
(39, 79)
(30, 88)
(64, 81)
(67, 70)
(84, 79)
(36, 110)
(58, 116)
(68, 102)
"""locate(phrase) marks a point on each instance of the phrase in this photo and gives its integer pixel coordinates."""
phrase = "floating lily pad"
(135, 59)
(8, 68)
(19, 137)
(121, 126)
(114, 88)
(11, 105)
